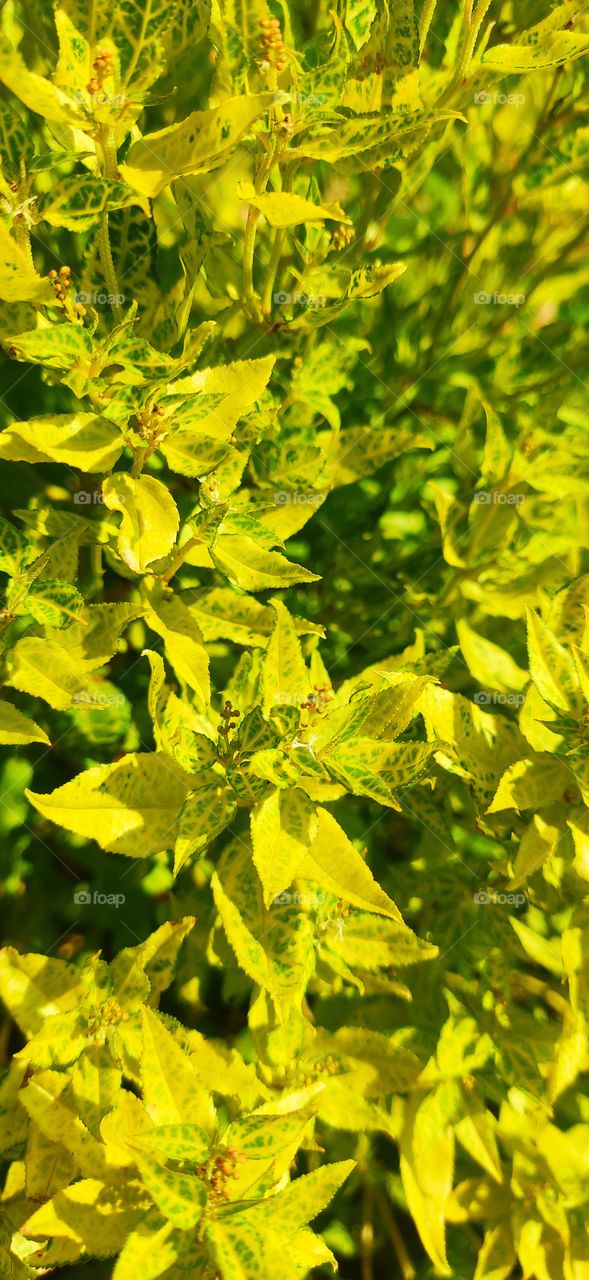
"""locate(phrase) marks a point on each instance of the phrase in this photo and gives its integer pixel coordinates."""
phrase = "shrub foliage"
(295, 660)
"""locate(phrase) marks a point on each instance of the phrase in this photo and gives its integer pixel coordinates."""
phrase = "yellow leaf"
(195, 145)
(334, 863)
(150, 518)
(283, 826)
(284, 209)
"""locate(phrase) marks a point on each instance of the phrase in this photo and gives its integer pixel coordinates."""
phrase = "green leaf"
(284, 675)
(171, 1088)
(283, 209)
(94, 639)
(150, 518)
(304, 1198)
(236, 32)
(360, 451)
(39, 94)
(57, 346)
(529, 784)
(263, 1136)
(477, 1133)
(241, 1252)
(16, 144)
(74, 1212)
(79, 202)
(368, 943)
(488, 662)
(379, 769)
(249, 566)
(543, 952)
(217, 398)
(17, 729)
(52, 603)
(480, 746)
(223, 613)
(195, 145)
(389, 134)
(35, 987)
(283, 827)
(333, 863)
(148, 1251)
(208, 810)
(175, 1142)
(44, 669)
(131, 807)
(159, 953)
(427, 1167)
(19, 282)
(180, 1197)
(13, 1122)
(273, 947)
(83, 440)
(56, 1118)
(15, 548)
(550, 50)
(183, 641)
(552, 669)
(537, 844)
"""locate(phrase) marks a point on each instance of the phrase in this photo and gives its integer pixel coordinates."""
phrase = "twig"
(367, 1232)
(406, 1266)
(179, 559)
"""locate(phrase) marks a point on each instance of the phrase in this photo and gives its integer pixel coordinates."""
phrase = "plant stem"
(367, 1233)
(250, 233)
(249, 245)
(109, 153)
(109, 166)
(405, 1264)
(97, 576)
(23, 240)
(179, 559)
(108, 267)
(273, 266)
(138, 460)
